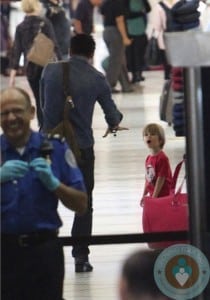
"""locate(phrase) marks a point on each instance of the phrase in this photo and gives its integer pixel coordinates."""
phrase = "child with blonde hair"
(158, 176)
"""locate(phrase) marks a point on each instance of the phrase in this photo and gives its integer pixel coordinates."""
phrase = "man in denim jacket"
(87, 86)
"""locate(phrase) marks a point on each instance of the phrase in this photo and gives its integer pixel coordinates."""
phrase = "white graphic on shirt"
(150, 173)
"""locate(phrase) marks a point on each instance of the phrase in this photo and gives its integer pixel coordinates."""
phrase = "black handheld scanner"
(46, 150)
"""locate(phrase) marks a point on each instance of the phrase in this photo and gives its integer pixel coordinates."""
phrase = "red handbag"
(168, 213)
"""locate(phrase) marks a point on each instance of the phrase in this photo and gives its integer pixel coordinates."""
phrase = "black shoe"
(83, 267)
(136, 77)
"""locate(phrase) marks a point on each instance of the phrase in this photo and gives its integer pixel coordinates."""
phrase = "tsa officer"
(36, 172)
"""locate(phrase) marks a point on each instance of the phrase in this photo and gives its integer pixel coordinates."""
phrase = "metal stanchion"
(191, 51)
(195, 154)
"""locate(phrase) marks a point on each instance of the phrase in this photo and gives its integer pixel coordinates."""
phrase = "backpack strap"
(164, 6)
(169, 18)
(69, 104)
(147, 6)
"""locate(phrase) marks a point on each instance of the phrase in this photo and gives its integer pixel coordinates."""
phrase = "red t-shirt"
(158, 166)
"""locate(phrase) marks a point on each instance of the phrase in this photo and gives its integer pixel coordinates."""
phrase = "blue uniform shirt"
(26, 204)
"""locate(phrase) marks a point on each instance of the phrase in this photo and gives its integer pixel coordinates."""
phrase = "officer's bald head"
(13, 93)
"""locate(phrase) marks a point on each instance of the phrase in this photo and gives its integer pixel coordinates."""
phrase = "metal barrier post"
(195, 153)
(192, 54)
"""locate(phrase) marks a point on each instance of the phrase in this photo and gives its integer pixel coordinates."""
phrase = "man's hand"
(127, 41)
(45, 174)
(114, 130)
(13, 169)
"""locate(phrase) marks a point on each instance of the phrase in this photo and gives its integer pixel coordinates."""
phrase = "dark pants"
(82, 225)
(135, 53)
(166, 66)
(32, 272)
(116, 68)
(4, 65)
(34, 84)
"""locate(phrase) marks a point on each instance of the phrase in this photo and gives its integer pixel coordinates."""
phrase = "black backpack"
(182, 16)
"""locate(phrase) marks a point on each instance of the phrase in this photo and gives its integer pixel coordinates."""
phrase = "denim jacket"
(87, 86)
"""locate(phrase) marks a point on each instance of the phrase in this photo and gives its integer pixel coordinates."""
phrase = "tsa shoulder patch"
(70, 159)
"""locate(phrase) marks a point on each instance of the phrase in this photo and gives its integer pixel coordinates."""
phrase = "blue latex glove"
(45, 174)
(13, 169)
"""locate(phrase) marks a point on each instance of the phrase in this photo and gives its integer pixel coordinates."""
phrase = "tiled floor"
(119, 179)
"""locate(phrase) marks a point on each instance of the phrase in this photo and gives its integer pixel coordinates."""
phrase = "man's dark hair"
(82, 44)
(138, 272)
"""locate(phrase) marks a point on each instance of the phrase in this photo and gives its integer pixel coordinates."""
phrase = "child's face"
(152, 141)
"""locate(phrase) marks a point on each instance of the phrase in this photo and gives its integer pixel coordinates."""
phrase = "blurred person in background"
(136, 22)
(24, 36)
(6, 41)
(116, 39)
(56, 13)
(83, 16)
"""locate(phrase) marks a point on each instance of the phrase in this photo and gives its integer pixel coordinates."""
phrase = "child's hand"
(142, 202)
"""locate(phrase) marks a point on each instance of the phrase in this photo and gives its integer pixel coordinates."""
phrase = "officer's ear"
(32, 111)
